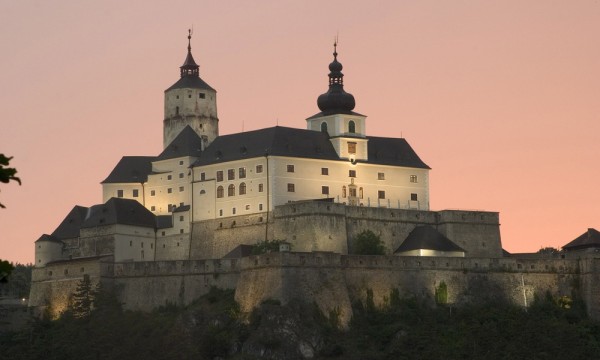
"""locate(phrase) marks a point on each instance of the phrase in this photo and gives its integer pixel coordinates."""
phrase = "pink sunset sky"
(500, 98)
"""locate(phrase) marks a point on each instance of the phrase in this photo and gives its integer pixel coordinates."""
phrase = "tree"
(83, 298)
(5, 269)
(7, 174)
(266, 246)
(367, 243)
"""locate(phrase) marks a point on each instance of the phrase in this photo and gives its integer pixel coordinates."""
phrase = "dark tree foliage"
(266, 246)
(5, 269)
(82, 301)
(18, 282)
(367, 243)
(7, 174)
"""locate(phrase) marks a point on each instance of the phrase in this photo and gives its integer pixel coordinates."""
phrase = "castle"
(175, 224)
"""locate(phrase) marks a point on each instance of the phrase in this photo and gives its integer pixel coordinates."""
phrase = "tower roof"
(589, 239)
(69, 227)
(190, 72)
(336, 100)
(187, 143)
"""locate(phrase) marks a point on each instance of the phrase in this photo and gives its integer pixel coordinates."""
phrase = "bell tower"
(190, 101)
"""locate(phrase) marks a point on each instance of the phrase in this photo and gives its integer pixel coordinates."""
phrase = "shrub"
(367, 243)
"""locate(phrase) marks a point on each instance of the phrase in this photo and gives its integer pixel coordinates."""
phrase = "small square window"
(163, 234)
(381, 194)
(259, 169)
(202, 176)
(169, 177)
(325, 190)
(324, 171)
(352, 173)
(119, 193)
(181, 175)
(202, 96)
(153, 208)
(152, 192)
(247, 207)
(413, 197)
(351, 148)
(181, 162)
(290, 168)
(231, 174)
(181, 218)
(181, 188)
(291, 187)
(413, 179)
(169, 190)
(242, 172)
(220, 175)
(136, 192)
(181, 231)
(260, 187)
(177, 97)
(380, 176)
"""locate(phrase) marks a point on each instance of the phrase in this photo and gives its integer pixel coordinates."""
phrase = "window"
(260, 207)
(136, 193)
(181, 175)
(413, 197)
(352, 173)
(181, 231)
(413, 178)
(189, 96)
(163, 234)
(324, 127)
(343, 191)
(130, 243)
(260, 187)
(177, 109)
(351, 127)
(220, 192)
(324, 171)
(181, 188)
(242, 173)
(380, 176)
(220, 175)
(170, 208)
(202, 96)
(181, 218)
(259, 169)
(233, 211)
(247, 207)
(202, 192)
(360, 193)
(153, 208)
(351, 148)
(221, 212)
(325, 190)
(152, 192)
(243, 189)
(202, 176)
(169, 177)
(381, 194)
(291, 188)
(169, 190)
(181, 162)
(231, 174)
(119, 193)
(290, 168)
(231, 190)
(177, 96)
(352, 191)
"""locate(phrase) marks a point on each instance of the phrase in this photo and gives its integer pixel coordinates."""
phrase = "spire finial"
(335, 42)
(189, 40)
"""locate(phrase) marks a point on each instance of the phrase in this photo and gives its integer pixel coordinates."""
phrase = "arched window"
(231, 190)
(220, 192)
(177, 110)
(360, 193)
(351, 127)
(243, 189)
(324, 127)
(343, 191)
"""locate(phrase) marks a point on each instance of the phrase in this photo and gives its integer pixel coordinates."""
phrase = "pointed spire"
(189, 67)
(336, 100)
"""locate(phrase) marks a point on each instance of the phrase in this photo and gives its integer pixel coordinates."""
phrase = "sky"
(499, 98)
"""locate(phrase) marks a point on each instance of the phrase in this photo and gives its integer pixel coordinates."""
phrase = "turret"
(190, 101)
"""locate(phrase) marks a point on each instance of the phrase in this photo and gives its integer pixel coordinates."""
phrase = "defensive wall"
(332, 281)
(326, 226)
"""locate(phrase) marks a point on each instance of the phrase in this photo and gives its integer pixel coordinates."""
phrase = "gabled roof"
(119, 211)
(181, 208)
(393, 151)
(190, 82)
(278, 140)
(589, 239)
(187, 143)
(131, 169)
(426, 237)
(48, 238)
(69, 227)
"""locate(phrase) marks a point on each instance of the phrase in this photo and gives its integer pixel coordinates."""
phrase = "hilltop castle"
(174, 224)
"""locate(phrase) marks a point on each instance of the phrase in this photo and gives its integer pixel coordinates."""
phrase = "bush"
(367, 243)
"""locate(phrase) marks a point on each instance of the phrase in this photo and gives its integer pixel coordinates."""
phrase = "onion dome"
(336, 100)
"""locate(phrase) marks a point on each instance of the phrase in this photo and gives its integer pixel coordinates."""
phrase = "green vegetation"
(7, 174)
(266, 246)
(15, 279)
(213, 327)
(367, 243)
(441, 294)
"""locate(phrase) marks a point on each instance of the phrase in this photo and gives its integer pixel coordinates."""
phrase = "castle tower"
(346, 129)
(190, 101)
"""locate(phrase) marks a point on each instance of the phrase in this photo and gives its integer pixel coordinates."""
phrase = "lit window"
(380, 176)
(169, 190)
(231, 190)
(351, 127)
(259, 169)
(413, 179)
(119, 193)
(381, 194)
(220, 175)
(242, 172)
(136, 193)
(202, 176)
(290, 168)
(413, 197)
(242, 189)
(291, 187)
(152, 192)
(352, 173)
(324, 171)
(351, 148)
(260, 187)
(231, 174)
(220, 192)
(325, 190)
